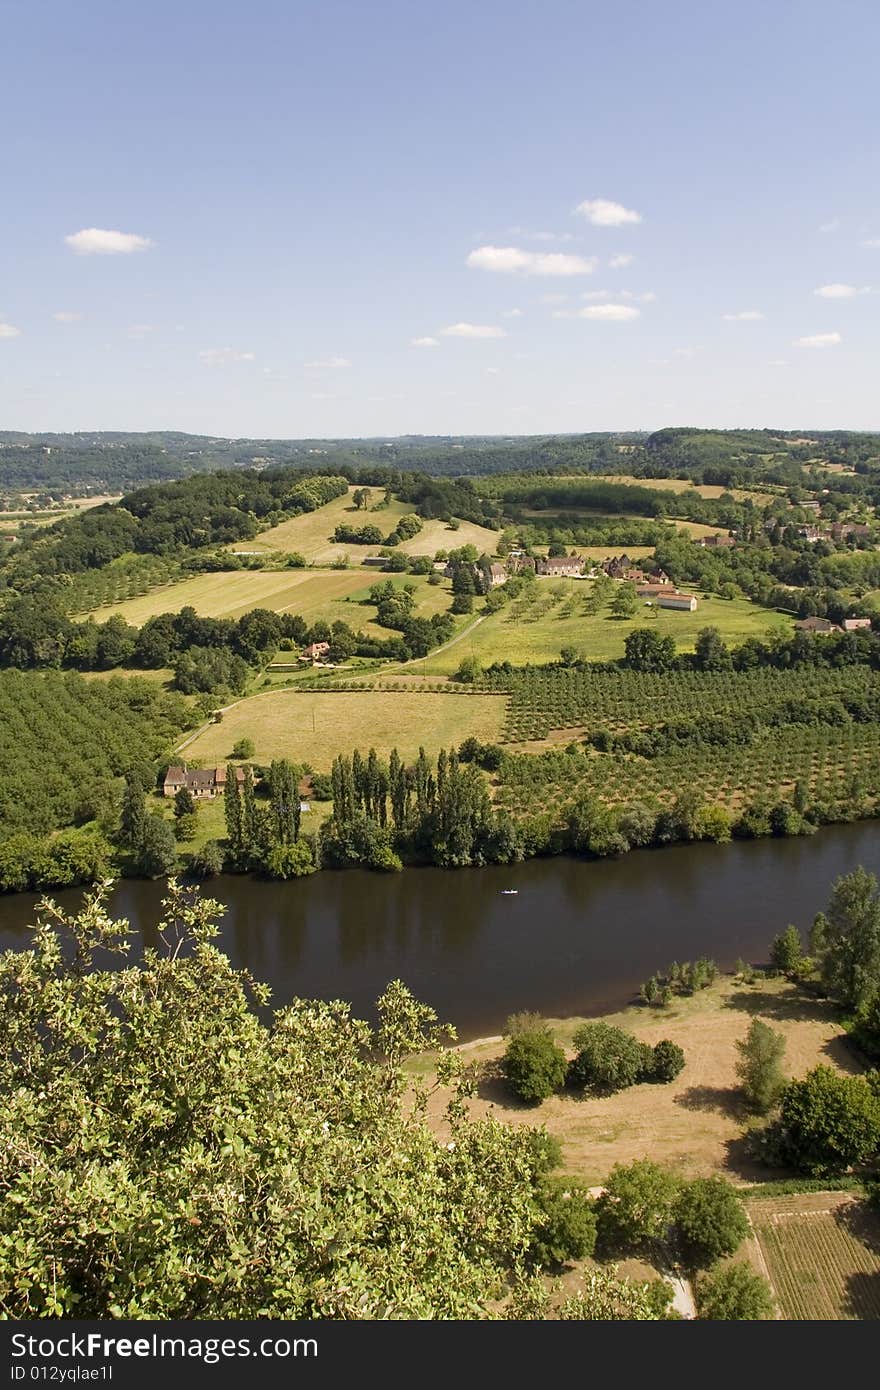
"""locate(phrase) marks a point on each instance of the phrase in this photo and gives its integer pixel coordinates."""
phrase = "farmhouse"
(654, 590)
(856, 624)
(713, 542)
(819, 627)
(497, 575)
(561, 565)
(201, 782)
(314, 651)
(848, 530)
(685, 602)
(518, 560)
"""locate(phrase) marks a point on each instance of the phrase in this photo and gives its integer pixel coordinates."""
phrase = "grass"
(310, 533)
(521, 634)
(314, 726)
(229, 593)
(695, 1124)
(821, 1252)
(710, 490)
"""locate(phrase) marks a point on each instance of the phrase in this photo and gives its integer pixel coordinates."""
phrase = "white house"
(685, 602)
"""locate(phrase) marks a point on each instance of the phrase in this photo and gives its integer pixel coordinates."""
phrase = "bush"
(244, 748)
(568, 1228)
(207, 861)
(759, 1068)
(733, 1293)
(668, 1061)
(635, 1210)
(828, 1122)
(534, 1065)
(710, 1220)
(608, 1059)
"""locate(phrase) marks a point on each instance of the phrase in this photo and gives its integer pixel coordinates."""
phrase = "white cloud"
(472, 330)
(66, 316)
(511, 260)
(621, 262)
(819, 340)
(219, 357)
(744, 316)
(838, 291)
(873, 243)
(684, 352)
(329, 363)
(424, 342)
(647, 298)
(96, 241)
(831, 226)
(140, 330)
(493, 371)
(512, 314)
(603, 213)
(322, 396)
(777, 362)
(8, 330)
(602, 313)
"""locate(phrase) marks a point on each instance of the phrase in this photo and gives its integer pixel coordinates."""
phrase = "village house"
(314, 651)
(618, 567)
(714, 542)
(654, 590)
(518, 560)
(561, 565)
(857, 624)
(497, 575)
(684, 602)
(848, 530)
(819, 627)
(810, 534)
(202, 782)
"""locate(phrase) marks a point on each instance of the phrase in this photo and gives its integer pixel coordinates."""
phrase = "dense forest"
(108, 461)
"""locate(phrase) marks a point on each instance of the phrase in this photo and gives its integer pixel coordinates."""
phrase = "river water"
(577, 937)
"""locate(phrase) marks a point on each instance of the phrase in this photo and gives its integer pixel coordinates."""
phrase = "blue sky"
(382, 217)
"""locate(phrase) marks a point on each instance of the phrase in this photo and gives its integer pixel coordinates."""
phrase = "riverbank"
(695, 1124)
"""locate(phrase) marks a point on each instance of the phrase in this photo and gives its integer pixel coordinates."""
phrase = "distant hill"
(114, 461)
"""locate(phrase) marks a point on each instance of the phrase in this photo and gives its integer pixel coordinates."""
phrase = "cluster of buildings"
(837, 531)
(821, 627)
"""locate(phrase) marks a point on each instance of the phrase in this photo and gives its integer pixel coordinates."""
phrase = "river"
(577, 937)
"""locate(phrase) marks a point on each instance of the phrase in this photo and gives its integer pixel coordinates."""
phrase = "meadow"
(695, 1124)
(310, 534)
(313, 726)
(229, 593)
(552, 614)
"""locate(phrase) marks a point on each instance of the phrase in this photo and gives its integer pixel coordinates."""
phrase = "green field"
(310, 533)
(314, 727)
(326, 595)
(229, 593)
(536, 631)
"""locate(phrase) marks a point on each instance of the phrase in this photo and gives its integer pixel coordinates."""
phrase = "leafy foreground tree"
(165, 1153)
(733, 1293)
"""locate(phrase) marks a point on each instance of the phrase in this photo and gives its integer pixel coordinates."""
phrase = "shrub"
(567, 1230)
(710, 1220)
(668, 1061)
(733, 1293)
(534, 1065)
(243, 748)
(207, 861)
(828, 1122)
(635, 1210)
(759, 1069)
(608, 1059)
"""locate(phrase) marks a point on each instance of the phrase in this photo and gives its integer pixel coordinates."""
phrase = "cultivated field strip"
(823, 1255)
